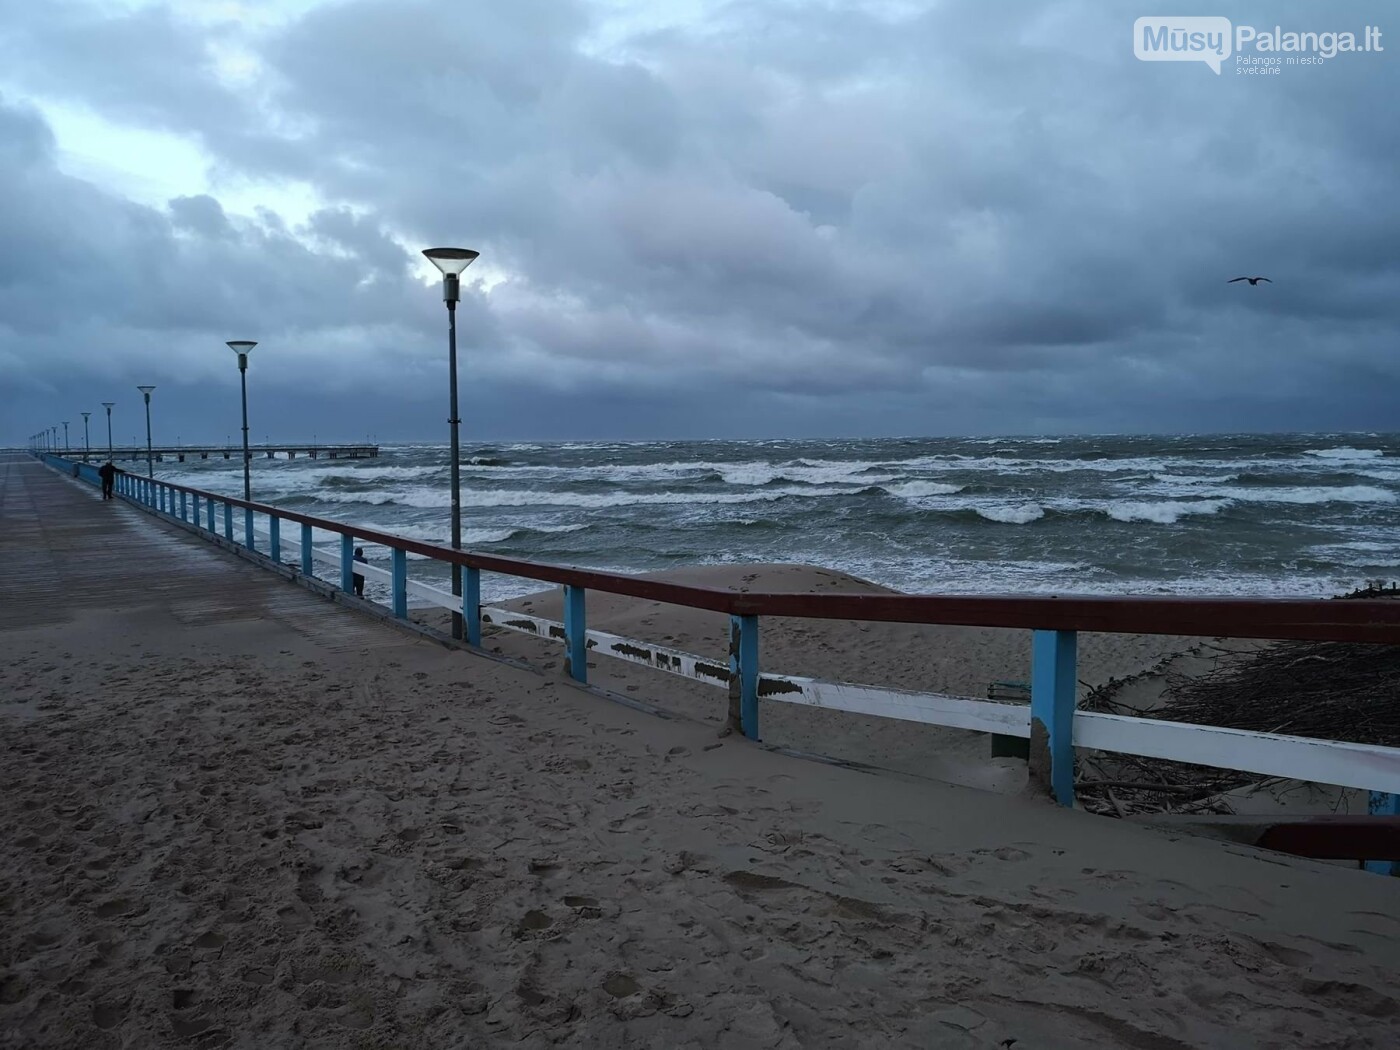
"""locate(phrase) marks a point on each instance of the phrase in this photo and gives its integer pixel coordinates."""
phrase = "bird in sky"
(1253, 281)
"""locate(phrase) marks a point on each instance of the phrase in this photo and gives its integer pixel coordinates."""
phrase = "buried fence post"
(1382, 804)
(1052, 713)
(308, 567)
(575, 634)
(743, 675)
(471, 605)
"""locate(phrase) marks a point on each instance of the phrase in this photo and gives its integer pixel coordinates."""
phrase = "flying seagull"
(1253, 281)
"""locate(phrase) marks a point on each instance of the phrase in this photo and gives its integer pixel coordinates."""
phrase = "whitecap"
(1165, 513)
(1023, 514)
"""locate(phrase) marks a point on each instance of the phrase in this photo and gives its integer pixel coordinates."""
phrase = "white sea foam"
(1022, 514)
(813, 472)
(1320, 494)
(922, 488)
(1164, 513)
(1344, 453)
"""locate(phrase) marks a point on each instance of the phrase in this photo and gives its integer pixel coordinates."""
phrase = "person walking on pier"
(108, 473)
(360, 580)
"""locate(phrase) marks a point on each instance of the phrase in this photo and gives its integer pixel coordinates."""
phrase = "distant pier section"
(181, 453)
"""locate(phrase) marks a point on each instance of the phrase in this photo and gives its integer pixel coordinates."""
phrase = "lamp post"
(65, 435)
(241, 348)
(108, 406)
(452, 261)
(87, 442)
(150, 463)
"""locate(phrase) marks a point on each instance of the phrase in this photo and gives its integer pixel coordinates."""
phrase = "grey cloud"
(837, 207)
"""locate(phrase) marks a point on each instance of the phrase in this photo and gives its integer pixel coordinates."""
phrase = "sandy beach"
(237, 815)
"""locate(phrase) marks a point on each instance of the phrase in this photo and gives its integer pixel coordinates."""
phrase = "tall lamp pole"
(108, 406)
(65, 435)
(241, 348)
(452, 261)
(150, 463)
(87, 442)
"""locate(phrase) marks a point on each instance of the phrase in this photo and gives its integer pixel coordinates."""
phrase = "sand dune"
(958, 660)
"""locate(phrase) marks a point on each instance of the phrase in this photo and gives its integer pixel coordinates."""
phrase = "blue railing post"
(184, 507)
(194, 508)
(471, 604)
(209, 511)
(1053, 686)
(248, 529)
(347, 563)
(1382, 804)
(308, 566)
(228, 522)
(575, 634)
(274, 537)
(399, 581)
(743, 675)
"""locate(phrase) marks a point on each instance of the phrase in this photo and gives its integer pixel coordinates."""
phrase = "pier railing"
(1051, 722)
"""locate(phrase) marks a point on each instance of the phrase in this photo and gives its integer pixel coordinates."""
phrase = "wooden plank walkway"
(65, 551)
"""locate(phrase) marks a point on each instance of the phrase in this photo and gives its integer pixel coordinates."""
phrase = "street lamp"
(65, 435)
(87, 443)
(108, 406)
(150, 463)
(241, 348)
(452, 261)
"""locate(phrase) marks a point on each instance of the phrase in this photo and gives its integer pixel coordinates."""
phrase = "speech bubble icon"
(1178, 38)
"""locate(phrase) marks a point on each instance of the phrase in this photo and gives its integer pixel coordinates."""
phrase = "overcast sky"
(696, 219)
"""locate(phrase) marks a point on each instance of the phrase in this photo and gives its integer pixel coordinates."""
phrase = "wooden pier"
(181, 453)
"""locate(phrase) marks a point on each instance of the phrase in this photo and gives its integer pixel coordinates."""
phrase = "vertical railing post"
(471, 604)
(1382, 804)
(575, 634)
(209, 511)
(194, 508)
(308, 565)
(743, 675)
(274, 537)
(347, 563)
(248, 529)
(228, 522)
(399, 582)
(184, 506)
(1053, 685)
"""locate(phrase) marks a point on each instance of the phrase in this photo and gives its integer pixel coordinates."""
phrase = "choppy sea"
(1299, 514)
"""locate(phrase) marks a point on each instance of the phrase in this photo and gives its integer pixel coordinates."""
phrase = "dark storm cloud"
(859, 217)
